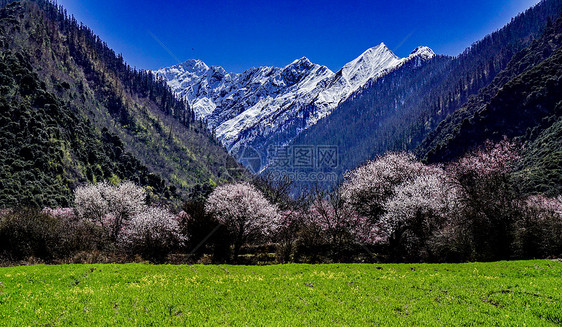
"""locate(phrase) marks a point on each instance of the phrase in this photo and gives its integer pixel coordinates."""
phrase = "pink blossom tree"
(489, 198)
(337, 223)
(110, 206)
(244, 211)
(546, 205)
(333, 220)
(488, 160)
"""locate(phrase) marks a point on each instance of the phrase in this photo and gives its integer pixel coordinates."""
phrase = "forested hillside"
(73, 112)
(524, 101)
(398, 112)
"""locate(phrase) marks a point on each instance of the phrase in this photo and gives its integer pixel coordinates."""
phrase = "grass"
(515, 293)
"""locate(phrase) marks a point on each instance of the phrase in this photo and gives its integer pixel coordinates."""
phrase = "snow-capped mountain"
(271, 106)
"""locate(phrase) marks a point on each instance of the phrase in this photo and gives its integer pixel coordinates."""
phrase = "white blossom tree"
(154, 232)
(90, 202)
(244, 211)
(368, 187)
(428, 195)
(405, 201)
(110, 206)
(419, 209)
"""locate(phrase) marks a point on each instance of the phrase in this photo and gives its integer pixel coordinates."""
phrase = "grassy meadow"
(514, 293)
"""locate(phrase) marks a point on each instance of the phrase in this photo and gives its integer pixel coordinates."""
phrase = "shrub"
(539, 233)
(30, 233)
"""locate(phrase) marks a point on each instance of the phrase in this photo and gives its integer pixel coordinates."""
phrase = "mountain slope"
(72, 112)
(397, 113)
(270, 106)
(524, 101)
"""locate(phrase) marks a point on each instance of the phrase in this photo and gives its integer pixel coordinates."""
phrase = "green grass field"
(514, 293)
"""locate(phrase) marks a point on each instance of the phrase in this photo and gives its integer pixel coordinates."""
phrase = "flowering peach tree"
(110, 206)
(368, 187)
(418, 209)
(489, 197)
(244, 211)
(154, 232)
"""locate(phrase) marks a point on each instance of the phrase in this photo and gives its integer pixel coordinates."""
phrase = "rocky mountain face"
(270, 106)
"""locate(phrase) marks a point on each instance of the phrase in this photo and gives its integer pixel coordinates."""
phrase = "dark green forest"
(73, 112)
(523, 102)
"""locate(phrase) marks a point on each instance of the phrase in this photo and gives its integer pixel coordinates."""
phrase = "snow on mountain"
(423, 53)
(269, 105)
(371, 64)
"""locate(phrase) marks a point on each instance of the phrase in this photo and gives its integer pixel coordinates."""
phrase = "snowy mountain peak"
(266, 106)
(381, 46)
(380, 50)
(303, 60)
(302, 63)
(422, 52)
(218, 69)
(194, 66)
(371, 64)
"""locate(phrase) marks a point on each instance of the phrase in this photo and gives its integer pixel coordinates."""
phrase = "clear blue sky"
(238, 34)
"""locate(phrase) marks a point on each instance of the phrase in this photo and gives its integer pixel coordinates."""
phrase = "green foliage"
(484, 294)
(71, 111)
(48, 148)
(541, 167)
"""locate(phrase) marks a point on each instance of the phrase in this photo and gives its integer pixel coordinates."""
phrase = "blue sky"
(239, 34)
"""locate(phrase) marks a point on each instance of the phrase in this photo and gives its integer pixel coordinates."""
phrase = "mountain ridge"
(523, 103)
(270, 106)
